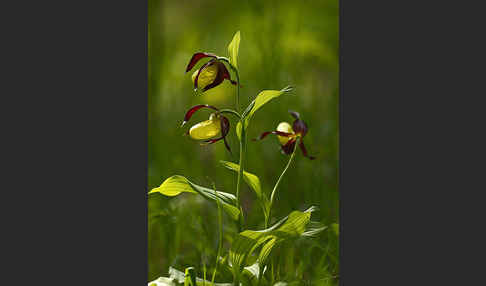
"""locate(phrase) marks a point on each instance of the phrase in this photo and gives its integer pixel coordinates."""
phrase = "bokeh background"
(282, 43)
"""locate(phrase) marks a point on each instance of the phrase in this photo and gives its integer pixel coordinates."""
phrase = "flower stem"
(231, 111)
(240, 173)
(272, 196)
(242, 145)
(238, 90)
(220, 241)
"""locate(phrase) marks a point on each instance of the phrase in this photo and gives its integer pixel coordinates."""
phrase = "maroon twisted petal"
(288, 148)
(195, 108)
(279, 133)
(299, 126)
(196, 57)
(304, 150)
(226, 74)
(294, 114)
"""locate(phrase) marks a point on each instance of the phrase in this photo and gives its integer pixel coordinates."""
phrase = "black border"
(76, 185)
(75, 180)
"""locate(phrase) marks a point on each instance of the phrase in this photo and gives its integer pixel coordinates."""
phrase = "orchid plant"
(250, 251)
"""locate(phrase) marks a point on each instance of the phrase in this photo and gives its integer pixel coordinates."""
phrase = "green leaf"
(175, 185)
(262, 98)
(252, 270)
(180, 277)
(238, 126)
(291, 227)
(177, 275)
(253, 182)
(190, 277)
(251, 274)
(293, 283)
(162, 281)
(335, 228)
(238, 130)
(248, 109)
(233, 48)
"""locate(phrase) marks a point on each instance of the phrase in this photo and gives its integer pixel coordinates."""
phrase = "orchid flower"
(217, 124)
(288, 134)
(209, 75)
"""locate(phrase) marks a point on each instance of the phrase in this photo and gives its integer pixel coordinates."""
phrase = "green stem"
(272, 196)
(220, 242)
(238, 89)
(240, 174)
(242, 141)
(260, 274)
(231, 111)
(236, 280)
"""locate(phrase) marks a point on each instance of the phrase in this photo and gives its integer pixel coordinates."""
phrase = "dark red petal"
(294, 114)
(299, 126)
(196, 57)
(280, 133)
(211, 62)
(224, 70)
(227, 75)
(227, 145)
(194, 109)
(211, 141)
(225, 126)
(304, 151)
(288, 148)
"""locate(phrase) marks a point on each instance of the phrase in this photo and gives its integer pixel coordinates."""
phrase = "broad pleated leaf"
(290, 227)
(251, 274)
(313, 229)
(253, 270)
(261, 99)
(253, 182)
(233, 49)
(175, 185)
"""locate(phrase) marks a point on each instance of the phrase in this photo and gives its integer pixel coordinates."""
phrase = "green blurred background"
(282, 43)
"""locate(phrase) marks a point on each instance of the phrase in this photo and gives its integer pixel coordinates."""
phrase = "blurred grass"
(282, 43)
